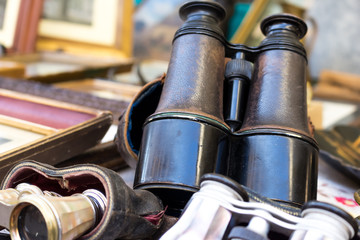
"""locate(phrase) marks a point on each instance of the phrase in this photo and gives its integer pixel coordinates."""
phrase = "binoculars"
(30, 213)
(221, 210)
(231, 109)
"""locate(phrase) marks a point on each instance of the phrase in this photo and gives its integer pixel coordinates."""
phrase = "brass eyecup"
(9, 198)
(53, 218)
(18, 231)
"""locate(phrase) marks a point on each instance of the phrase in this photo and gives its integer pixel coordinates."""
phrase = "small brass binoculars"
(30, 213)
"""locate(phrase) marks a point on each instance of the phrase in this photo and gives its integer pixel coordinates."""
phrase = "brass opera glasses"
(30, 213)
(247, 121)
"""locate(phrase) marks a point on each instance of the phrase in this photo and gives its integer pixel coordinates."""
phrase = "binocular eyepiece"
(30, 213)
(246, 119)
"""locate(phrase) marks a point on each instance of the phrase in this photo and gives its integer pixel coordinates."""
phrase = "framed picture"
(46, 130)
(18, 25)
(9, 13)
(102, 88)
(52, 67)
(100, 97)
(108, 95)
(106, 23)
(13, 137)
(11, 69)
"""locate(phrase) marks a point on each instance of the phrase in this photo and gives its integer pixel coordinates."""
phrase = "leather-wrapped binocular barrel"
(245, 118)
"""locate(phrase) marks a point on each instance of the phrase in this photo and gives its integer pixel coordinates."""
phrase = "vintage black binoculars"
(245, 118)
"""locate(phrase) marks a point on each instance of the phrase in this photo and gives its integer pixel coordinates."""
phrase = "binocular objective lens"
(31, 224)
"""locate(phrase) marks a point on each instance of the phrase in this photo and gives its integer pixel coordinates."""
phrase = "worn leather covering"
(130, 214)
(131, 122)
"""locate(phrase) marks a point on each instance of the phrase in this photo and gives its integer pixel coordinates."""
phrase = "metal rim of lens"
(41, 203)
(99, 199)
(28, 188)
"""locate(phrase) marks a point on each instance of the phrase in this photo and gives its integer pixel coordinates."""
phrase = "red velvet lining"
(65, 186)
(69, 184)
(42, 114)
(155, 218)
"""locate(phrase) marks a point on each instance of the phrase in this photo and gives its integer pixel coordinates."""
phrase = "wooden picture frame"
(109, 26)
(18, 25)
(27, 25)
(100, 28)
(102, 88)
(15, 136)
(68, 95)
(114, 96)
(56, 130)
(11, 69)
(9, 18)
(50, 67)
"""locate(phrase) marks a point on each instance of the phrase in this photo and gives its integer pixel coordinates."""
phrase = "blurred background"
(140, 33)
